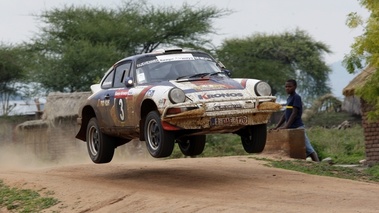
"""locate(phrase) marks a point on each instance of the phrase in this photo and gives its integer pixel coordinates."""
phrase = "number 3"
(121, 106)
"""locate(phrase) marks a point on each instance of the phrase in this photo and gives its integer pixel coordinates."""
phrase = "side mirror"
(129, 82)
(223, 68)
(227, 72)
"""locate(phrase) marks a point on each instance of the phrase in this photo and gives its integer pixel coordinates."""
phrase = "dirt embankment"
(224, 184)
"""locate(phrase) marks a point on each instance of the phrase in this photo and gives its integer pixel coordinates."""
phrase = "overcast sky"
(324, 20)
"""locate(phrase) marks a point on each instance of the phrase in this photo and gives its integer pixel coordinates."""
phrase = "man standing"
(292, 116)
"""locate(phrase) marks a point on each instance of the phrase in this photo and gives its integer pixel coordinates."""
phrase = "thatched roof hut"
(63, 105)
(53, 136)
(59, 107)
(358, 81)
(352, 102)
(371, 129)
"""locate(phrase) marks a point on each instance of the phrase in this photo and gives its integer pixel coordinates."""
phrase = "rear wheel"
(192, 145)
(159, 142)
(100, 146)
(253, 138)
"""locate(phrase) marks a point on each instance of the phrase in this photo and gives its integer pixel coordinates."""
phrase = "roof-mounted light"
(173, 49)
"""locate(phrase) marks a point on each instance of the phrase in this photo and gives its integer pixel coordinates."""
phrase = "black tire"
(192, 145)
(159, 142)
(254, 137)
(100, 146)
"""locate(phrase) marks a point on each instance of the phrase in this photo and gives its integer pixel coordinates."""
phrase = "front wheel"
(159, 142)
(253, 138)
(192, 145)
(100, 146)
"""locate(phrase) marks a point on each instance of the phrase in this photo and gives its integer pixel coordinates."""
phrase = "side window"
(122, 71)
(107, 83)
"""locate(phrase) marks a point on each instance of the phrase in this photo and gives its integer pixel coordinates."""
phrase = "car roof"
(161, 52)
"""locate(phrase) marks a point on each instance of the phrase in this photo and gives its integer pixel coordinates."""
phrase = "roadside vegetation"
(359, 173)
(24, 200)
(345, 147)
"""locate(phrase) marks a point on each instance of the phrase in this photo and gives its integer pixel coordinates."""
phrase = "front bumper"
(222, 115)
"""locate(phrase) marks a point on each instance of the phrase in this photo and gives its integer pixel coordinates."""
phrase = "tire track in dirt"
(224, 184)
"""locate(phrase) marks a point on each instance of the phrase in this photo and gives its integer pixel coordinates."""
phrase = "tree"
(365, 52)
(276, 58)
(78, 44)
(11, 74)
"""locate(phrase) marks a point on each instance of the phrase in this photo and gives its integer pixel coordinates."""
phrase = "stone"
(289, 142)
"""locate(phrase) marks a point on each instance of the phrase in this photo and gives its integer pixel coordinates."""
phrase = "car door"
(104, 103)
(120, 110)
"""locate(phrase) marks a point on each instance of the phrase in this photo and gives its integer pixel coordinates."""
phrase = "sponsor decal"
(121, 93)
(103, 103)
(147, 62)
(162, 102)
(202, 58)
(175, 57)
(227, 107)
(150, 93)
(219, 95)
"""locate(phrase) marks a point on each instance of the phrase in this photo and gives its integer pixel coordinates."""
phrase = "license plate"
(242, 120)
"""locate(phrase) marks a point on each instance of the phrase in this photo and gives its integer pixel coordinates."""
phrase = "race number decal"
(121, 108)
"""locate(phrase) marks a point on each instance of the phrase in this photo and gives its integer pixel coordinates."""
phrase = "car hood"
(214, 88)
(206, 84)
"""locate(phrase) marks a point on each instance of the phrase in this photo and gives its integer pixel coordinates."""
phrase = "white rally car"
(173, 96)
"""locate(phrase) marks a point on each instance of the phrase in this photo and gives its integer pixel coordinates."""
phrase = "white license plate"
(242, 120)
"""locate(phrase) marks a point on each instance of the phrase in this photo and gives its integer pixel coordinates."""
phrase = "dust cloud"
(17, 156)
(20, 157)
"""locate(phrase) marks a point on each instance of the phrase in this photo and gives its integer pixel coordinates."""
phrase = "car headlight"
(176, 95)
(262, 89)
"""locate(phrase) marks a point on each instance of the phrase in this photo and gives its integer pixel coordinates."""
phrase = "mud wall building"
(370, 128)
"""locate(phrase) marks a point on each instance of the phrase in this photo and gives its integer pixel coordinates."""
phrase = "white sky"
(324, 20)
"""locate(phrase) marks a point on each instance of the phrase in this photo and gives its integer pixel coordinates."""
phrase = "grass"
(324, 169)
(343, 146)
(23, 200)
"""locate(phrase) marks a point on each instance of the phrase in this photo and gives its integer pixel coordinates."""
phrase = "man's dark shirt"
(294, 100)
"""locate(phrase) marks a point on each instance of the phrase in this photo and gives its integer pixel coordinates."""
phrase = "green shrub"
(343, 146)
(332, 119)
(374, 172)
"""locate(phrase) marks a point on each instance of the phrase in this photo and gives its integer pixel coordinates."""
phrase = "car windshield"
(175, 66)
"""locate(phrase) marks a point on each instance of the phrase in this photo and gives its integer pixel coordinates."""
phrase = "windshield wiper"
(184, 76)
(199, 75)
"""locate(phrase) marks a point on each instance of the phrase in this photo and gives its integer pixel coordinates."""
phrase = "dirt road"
(224, 184)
